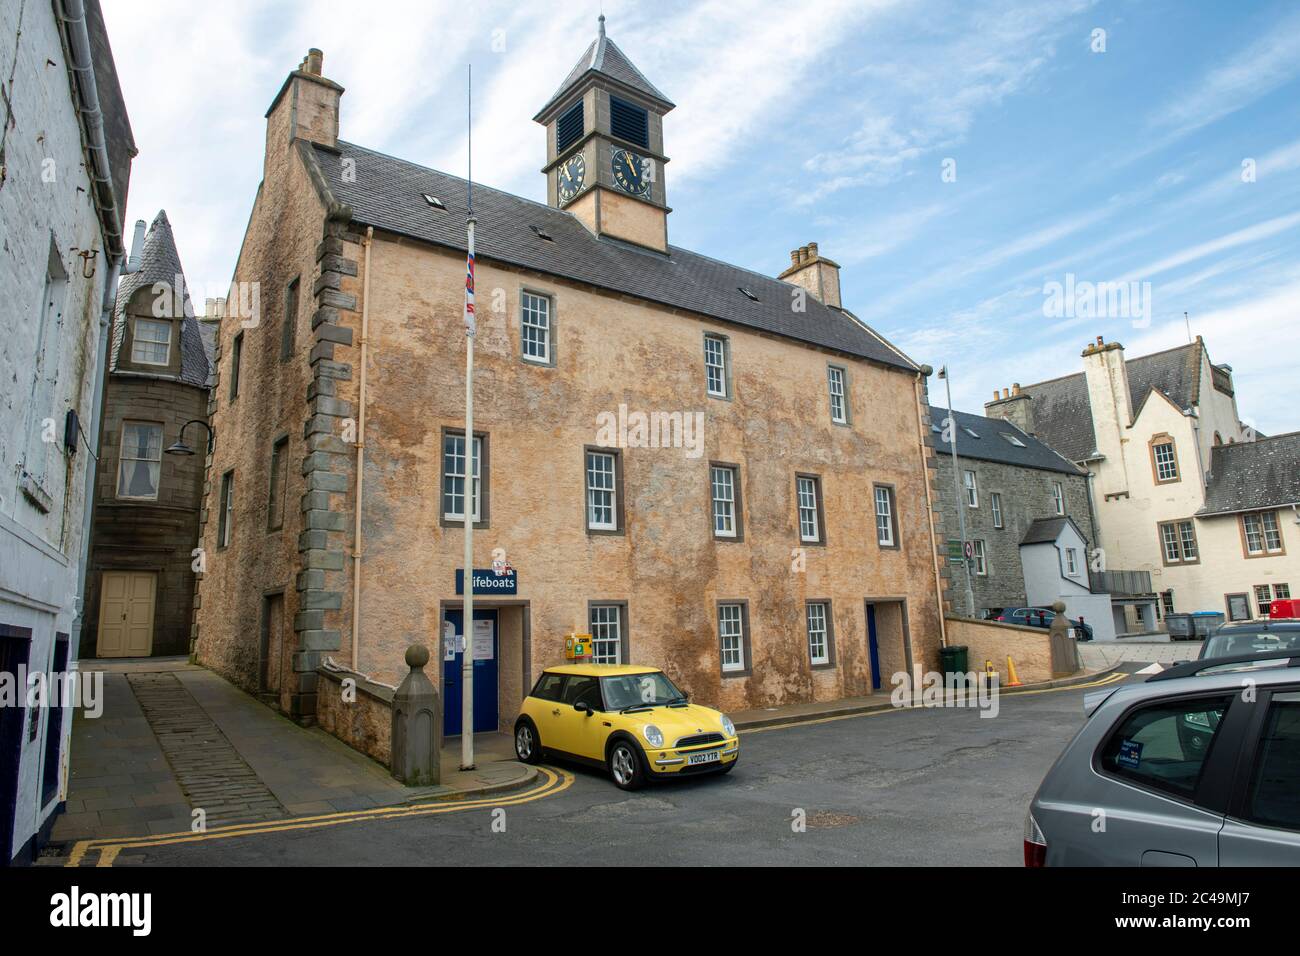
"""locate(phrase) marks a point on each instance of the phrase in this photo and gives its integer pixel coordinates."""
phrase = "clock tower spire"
(604, 147)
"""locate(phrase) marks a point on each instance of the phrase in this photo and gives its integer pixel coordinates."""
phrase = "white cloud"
(1253, 72)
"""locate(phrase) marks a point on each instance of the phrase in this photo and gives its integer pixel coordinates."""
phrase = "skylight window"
(541, 233)
(1013, 440)
(747, 294)
(969, 431)
(434, 201)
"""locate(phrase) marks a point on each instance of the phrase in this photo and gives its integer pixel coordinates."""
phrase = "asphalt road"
(930, 787)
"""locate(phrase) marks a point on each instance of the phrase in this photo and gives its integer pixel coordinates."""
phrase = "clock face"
(629, 171)
(570, 177)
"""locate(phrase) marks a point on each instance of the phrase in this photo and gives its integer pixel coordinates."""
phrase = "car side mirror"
(582, 708)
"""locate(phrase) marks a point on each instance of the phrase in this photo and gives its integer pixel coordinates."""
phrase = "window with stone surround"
(535, 328)
(289, 327)
(732, 637)
(835, 380)
(819, 633)
(1058, 497)
(279, 479)
(995, 503)
(1164, 459)
(604, 504)
(1261, 534)
(226, 513)
(606, 622)
(886, 519)
(453, 478)
(726, 502)
(972, 490)
(808, 496)
(717, 375)
(1178, 542)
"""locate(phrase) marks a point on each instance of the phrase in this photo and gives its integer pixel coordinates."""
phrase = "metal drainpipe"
(929, 510)
(74, 16)
(361, 454)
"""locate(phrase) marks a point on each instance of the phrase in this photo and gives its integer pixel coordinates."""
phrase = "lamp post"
(180, 448)
(956, 486)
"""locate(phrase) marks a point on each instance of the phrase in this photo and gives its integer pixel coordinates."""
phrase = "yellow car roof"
(600, 670)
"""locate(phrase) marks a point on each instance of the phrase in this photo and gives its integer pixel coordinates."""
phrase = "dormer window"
(629, 122)
(434, 201)
(151, 342)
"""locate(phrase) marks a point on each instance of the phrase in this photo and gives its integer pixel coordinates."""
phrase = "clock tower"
(604, 147)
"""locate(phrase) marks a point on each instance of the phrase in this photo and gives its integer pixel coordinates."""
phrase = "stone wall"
(366, 723)
(1026, 496)
(1029, 647)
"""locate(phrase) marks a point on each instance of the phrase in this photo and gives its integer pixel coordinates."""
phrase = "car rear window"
(1275, 782)
(548, 687)
(1227, 643)
(1163, 746)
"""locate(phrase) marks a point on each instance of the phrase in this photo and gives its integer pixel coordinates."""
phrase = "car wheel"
(528, 747)
(625, 766)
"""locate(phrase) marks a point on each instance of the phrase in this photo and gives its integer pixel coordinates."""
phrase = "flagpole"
(467, 615)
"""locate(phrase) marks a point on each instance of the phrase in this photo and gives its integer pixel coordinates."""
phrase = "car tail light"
(1035, 843)
(1001, 617)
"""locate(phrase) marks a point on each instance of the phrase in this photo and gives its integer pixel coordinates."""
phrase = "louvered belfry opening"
(569, 128)
(629, 122)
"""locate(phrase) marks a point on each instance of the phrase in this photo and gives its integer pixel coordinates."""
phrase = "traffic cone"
(1012, 679)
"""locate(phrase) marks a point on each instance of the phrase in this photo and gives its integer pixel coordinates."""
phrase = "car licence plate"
(710, 756)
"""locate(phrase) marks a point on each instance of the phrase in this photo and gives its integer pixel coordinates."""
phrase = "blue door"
(485, 650)
(875, 649)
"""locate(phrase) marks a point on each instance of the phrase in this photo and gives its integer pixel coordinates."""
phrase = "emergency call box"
(577, 647)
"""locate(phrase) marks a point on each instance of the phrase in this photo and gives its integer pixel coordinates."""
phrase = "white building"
(65, 157)
(1181, 490)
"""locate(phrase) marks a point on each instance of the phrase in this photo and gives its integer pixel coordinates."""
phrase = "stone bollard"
(417, 725)
(1065, 652)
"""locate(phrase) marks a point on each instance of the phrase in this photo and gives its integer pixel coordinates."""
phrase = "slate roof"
(991, 446)
(1044, 530)
(388, 193)
(1247, 476)
(605, 58)
(160, 262)
(1062, 414)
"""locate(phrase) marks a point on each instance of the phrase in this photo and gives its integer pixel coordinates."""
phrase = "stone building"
(1177, 498)
(140, 585)
(65, 161)
(1009, 487)
(709, 469)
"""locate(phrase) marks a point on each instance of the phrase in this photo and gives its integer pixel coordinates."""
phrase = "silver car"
(1197, 766)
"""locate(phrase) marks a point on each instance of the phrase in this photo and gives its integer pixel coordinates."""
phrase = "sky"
(975, 168)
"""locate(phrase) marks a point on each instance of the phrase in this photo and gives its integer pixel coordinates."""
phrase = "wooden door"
(126, 614)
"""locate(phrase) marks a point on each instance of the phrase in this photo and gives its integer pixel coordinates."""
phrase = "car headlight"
(728, 727)
(653, 735)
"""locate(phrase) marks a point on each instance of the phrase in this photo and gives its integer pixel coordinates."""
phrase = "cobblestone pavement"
(211, 773)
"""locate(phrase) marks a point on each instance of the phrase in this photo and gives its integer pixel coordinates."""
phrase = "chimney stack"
(818, 275)
(307, 107)
(1014, 406)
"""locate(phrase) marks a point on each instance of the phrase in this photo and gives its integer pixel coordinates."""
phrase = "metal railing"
(1121, 582)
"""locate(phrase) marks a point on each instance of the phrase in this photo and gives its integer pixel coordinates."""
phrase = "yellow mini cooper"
(631, 721)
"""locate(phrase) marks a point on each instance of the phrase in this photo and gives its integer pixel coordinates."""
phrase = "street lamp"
(180, 448)
(951, 425)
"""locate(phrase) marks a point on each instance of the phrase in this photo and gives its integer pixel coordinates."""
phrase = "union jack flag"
(470, 318)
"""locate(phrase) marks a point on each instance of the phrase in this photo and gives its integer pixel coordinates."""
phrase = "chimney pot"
(1100, 340)
(1015, 388)
(803, 253)
(794, 257)
(995, 395)
(314, 62)
(812, 250)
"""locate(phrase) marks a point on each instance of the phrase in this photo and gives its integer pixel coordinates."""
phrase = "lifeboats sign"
(488, 581)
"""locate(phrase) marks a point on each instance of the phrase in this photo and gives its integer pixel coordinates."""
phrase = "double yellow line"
(555, 781)
(1112, 678)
